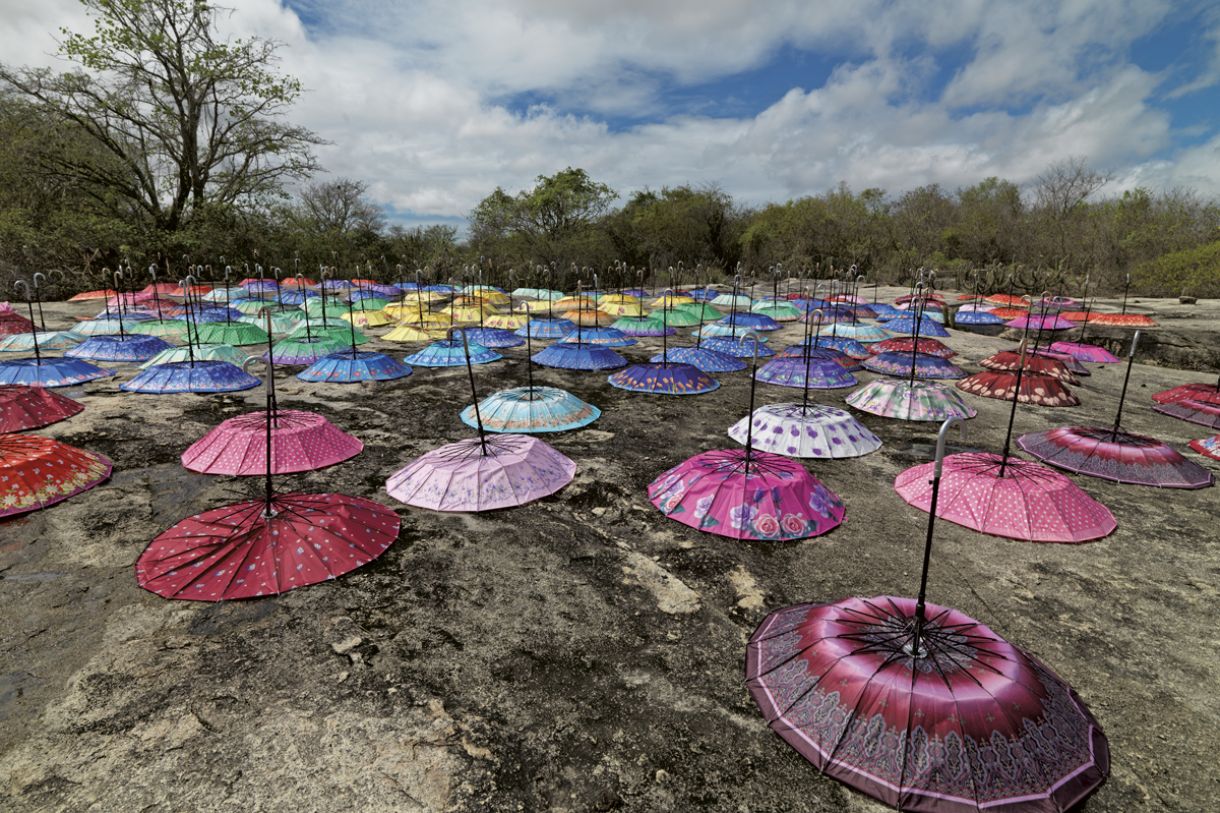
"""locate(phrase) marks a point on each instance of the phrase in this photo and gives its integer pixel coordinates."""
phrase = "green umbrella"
(165, 328)
(234, 333)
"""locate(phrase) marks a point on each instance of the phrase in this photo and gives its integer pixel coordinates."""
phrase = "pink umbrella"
(483, 473)
(1053, 322)
(1085, 352)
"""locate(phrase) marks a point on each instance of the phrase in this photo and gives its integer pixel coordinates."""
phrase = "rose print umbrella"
(747, 493)
(1209, 447)
(1112, 454)
(483, 473)
(36, 472)
(1200, 412)
(23, 407)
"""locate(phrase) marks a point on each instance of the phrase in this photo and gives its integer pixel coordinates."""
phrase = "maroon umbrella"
(23, 407)
(1112, 454)
(1040, 390)
(1007, 361)
(1200, 412)
(1202, 393)
(923, 707)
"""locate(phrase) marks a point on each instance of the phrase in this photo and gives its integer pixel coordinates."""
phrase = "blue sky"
(434, 103)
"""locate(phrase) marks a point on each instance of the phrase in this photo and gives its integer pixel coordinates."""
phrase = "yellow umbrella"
(537, 305)
(623, 308)
(466, 314)
(672, 299)
(367, 318)
(506, 321)
(571, 303)
(409, 333)
(617, 299)
(494, 297)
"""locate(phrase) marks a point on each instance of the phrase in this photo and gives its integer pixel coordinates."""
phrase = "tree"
(183, 118)
(1059, 195)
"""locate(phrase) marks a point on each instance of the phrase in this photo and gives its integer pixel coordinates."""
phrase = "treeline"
(164, 144)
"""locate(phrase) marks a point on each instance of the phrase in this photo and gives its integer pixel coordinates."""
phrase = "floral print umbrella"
(910, 401)
(531, 410)
(1041, 390)
(36, 472)
(1009, 360)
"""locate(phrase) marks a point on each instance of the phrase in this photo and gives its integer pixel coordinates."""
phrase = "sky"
(434, 103)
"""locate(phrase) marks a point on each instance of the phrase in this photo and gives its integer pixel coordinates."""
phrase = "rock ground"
(580, 653)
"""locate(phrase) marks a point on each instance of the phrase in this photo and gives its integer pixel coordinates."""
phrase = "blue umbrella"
(97, 327)
(449, 353)
(605, 336)
(353, 367)
(849, 347)
(906, 325)
(573, 356)
(664, 379)
(50, 372)
(742, 347)
(532, 410)
(546, 328)
(814, 373)
(703, 357)
(129, 347)
(753, 321)
(976, 319)
(190, 376)
(493, 337)
(296, 297)
(440, 289)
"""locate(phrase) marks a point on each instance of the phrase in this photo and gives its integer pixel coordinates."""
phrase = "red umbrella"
(1041, 390)
(1208, 447)
(23, 407)
(1008, 300)
(923, 707)
(1008, 360)
(1007, 313)
(1122, 320)
(905, 344)
(1200, 412)
(36, 472)
(84, 296)
(1202, 393)
(12, 323)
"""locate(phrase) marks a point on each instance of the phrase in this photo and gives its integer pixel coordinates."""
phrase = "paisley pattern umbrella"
(23, 407)
(805, 430)
(482, 474)
(302, 441)
(821, 374)
(1010, 360)
(907, 401)
(353, 367)
(664, 379)
(901, 365)
(448, 353)
(131, 347)
(1017, 499)
(568, 355)
(190, 376)
(1209, 447)
(746, 494)
(265, 547)
(1200, 412)
(1041, 390)
(36, 472)
(951, 718)
(531, 410)
(905, 344)
(1118, 456)
(50, 372)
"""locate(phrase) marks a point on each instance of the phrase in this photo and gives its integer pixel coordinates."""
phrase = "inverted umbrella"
(448, 353)
(483, 473)
(1043, 322)
(24, 407)
(1112, 454)
(905, 344)
(36, 472)
(47, 372)
(1042, 390)
(701, 356)
(907, 325)
(664, 377)
(1209, 447)
(976, 318)
(1085, 352)
(1009, 360)
(352, 366)
(906, 364)
(47, 340)
(201, 352)
(304, 351)
(1203, 393)
(1200, 412)
(12, 322)
(573, 353)
(805, 430)
(849, 347)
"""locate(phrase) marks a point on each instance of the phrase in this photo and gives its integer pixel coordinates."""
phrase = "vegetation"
(164, 143)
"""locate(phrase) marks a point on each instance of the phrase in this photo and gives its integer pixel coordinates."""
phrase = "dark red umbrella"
(1008, 360)
(905, 344)
(923, 707)
(1202, 393)
(1040, 390)
(23, 407)
(12, 323)
(1200, 412)
(1110, 453)
(1208, 447)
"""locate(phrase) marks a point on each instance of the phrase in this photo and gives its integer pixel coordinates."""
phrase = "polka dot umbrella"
(23, 407)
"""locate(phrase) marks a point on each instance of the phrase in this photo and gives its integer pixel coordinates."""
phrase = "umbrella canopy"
(376, 318)
(506, 321)
(354, 367)
(857, 332)
(731, 301)
(568, 355)
(200, 352)
(707, 360)
(746, 494)
(190, 376)
(976, 319)
(1200, 412)
(905, 344)
(628, 308)
(820, 374)
(265, 547)
(547, 328)
(750, 321)
(531, 410)
(302, 441)
(1008, 300)
(23, 407)
(1085, 352)
(237, 334)
(12, 322)
(1202, 393)
(131, 347)
(906, 325)
(742, 347)
(778, 310)
(846, 346)
(910, 401)
(699, 311)
(448, 353)
(1045, 323)
(923, 708)
(304, 351)
(1122, 320)
(50, 372)
(482, 474)
(805, 430)
(1010, 360)
(643, 326)
(1118, 456)
(903, 364)
(410, 334)
(493, 337)
(1041, 390)
(36, 472)
(165, 328)
(664, 378)
(605, 336)
(1016, 500)
(85, 296)
(1209, 447)
(96, 327)
(47, 340)
(796, 351)
(676, 317)
(1069, 361)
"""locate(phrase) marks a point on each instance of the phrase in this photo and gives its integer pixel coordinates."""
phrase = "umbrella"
(701, 356)
(1209, 447)
(780, 311)
(807, 371)
(1203, 393)
(190, 376)
(1200, 412)
(579, 356)
(548, 328)
(964, 318)
(299, 440)
(643, 326)
(805, 430)
(85, 296)
(482, 473)
(352, 366)
(910, 400)
(848, 347)
(1112, 454)
(404, 332)
(304, 351)
(1036, 365)
(237, 334)
(506, 321)
(741, 347)
(36, 472)
(122, 348)
(12, 322)
(494, 338)
(448, 353)
(905, 344)
(1043, 322)
(921, 365)
(47, 340)
(23, 407)
(753, 321)
(664, 377)
(1042, 390)
(201, 352)
(1122, 320)
(48, 372)
(907, 325)
(680, 318)
(861, 334)
(1085, 352)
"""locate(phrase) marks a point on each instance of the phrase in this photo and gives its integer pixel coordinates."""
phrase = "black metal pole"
(1122, 398)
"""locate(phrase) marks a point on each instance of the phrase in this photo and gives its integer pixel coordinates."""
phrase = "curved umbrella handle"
(29, 292)
(940, 441)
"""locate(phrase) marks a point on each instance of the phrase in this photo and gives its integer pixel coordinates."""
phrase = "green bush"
(1194, 272)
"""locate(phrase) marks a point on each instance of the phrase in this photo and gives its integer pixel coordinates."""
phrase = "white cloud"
(408, 95)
